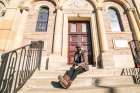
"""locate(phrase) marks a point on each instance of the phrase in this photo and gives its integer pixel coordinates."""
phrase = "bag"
(65, 81)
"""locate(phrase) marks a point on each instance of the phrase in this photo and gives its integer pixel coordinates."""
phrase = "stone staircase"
(93, 81)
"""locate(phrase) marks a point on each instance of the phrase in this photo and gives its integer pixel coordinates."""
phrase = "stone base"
(44, 63)
(111, 60)
(57, 62)
(107, 60)
(123, 61)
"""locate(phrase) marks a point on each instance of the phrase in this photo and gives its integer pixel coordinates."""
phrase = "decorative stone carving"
(77, 5)
(130, 9)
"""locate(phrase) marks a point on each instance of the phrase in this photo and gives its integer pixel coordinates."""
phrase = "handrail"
(135, 48)
(18, 66)
(134, 72)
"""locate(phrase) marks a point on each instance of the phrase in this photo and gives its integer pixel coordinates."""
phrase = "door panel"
(79, 34)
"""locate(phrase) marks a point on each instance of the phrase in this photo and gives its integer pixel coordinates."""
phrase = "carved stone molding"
(99, 8)
(77, 4)
(59, 8)
(130, 9)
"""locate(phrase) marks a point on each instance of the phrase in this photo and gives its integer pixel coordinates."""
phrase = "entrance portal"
(80, 34)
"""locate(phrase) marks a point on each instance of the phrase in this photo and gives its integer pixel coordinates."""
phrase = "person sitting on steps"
(79, 66)
(79, 63)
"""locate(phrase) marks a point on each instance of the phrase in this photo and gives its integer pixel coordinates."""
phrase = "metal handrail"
(18, 65)
(134, 72)
(135, 48)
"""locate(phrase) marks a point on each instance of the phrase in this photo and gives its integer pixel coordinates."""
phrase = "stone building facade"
(102, 27)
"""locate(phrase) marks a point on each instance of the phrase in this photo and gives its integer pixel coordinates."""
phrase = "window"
(73, 27)
(116, 24)
(42, 22)
(84, 27)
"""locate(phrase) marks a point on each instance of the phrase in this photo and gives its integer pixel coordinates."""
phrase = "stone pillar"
(57, 46)
(20, 28)
(106, 58)
(137, 6)
(101, 29)
(95, 40)
(10, 18)
(133, 23)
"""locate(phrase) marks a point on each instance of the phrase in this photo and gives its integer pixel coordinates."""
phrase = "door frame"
(94, 34)
(88, 37)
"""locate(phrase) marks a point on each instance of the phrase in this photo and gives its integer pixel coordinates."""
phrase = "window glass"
(73, 27)
(84, 27)
(42, 22)
(114, 19)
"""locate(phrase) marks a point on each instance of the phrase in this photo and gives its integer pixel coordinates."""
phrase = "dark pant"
(74, 72)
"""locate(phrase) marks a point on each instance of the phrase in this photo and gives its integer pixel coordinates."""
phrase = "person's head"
(78, 48)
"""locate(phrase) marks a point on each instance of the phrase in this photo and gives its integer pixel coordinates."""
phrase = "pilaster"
(101, 29)
(57, 46)
(21, 20)
(133, 23)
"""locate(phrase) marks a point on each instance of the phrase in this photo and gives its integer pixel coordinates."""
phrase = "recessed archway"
(123, 3)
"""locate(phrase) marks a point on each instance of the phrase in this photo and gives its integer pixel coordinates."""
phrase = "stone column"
(137, 6)
(10, 20)
(95, 40)
(101, 29)
(20, 28)
(57, 46)
(134, 24)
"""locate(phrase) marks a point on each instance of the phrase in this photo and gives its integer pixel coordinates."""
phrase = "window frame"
(3, 10)
(41, 21)
(119, 20)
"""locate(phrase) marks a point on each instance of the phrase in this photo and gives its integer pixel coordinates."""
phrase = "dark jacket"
(79, 59)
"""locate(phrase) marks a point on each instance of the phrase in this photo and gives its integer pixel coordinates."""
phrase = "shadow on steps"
(110, 89)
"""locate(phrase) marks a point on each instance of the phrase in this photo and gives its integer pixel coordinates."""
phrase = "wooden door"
(80, 34)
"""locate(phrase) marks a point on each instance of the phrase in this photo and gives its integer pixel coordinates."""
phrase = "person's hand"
(80, 64)
(73, 65)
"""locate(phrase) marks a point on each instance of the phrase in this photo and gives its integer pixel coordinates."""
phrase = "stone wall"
(30, 33)
(16, 27)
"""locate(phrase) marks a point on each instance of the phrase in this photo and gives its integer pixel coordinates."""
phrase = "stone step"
(92, 72)
(105, 79)
(97, 89)
(113, 81)
(63, 68)
(57, 62)
(46, 83)
(73, 90)
(80, 82)
(46, 74)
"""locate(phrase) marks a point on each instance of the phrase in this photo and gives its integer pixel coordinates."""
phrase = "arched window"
(42, 22)
(116, 23)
